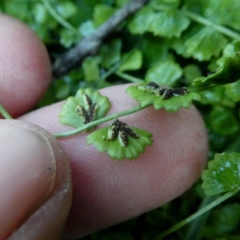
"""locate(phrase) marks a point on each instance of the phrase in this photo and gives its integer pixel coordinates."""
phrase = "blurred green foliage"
(171, 42)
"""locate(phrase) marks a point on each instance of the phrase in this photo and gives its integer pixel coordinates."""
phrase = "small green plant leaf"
(223, 174)
(66, 9)
(86, 28)
(79, 110)
(160, 23)
(91, 68)
(164, 23)
(132, 61)
(168, 70)
(120, 144)
(229, 51)
(227, 73)
(68, 37)
(223, 121)
(233, 91)
(101, 13)
(216, 96)
(141, 20)
(41, 15)
(146, 96)
(200, 43)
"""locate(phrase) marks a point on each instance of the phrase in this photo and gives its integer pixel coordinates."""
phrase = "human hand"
(35, 181)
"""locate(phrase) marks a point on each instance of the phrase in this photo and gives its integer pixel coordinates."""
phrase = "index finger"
(25, 69)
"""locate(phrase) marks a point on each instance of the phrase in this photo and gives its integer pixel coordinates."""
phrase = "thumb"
(35, 183)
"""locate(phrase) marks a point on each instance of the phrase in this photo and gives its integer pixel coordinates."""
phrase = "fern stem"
(56, 16)
(128, 77)
(97, 122)
(197, 18)
(4, 112)
(196, 225)
(197, 214)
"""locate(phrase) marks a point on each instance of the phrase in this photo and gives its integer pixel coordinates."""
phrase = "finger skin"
(25, 70)
(106, 191)
(48, 221)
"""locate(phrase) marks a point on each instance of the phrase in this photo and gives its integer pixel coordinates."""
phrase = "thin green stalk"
(110, 71)
(114, 69)
(97, 122)
(196, 225)
(197, 214)
(206, 22)
(4, 112)
(128, 77)
(56, 16)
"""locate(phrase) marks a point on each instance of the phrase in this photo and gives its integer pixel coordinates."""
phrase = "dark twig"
(90, 44)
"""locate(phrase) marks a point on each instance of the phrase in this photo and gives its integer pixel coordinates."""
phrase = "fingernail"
(27, 174)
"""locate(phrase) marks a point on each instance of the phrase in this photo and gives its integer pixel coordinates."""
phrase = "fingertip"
(25, 69)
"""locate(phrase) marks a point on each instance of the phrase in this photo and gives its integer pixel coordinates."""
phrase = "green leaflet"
(170, 23)
(216, 96)
(66, 9)
(223, 121)
(141, 21)
(101, 13)
(222, 174)
(164, 73)
(114, 148)
(41, 13)
(146, 97)
(91, 68)
(131, 61)
(69, 37)
(69, 114)
(229, 50)
(200, 43)
(86, 28)
(233, 91)
(227, 73)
